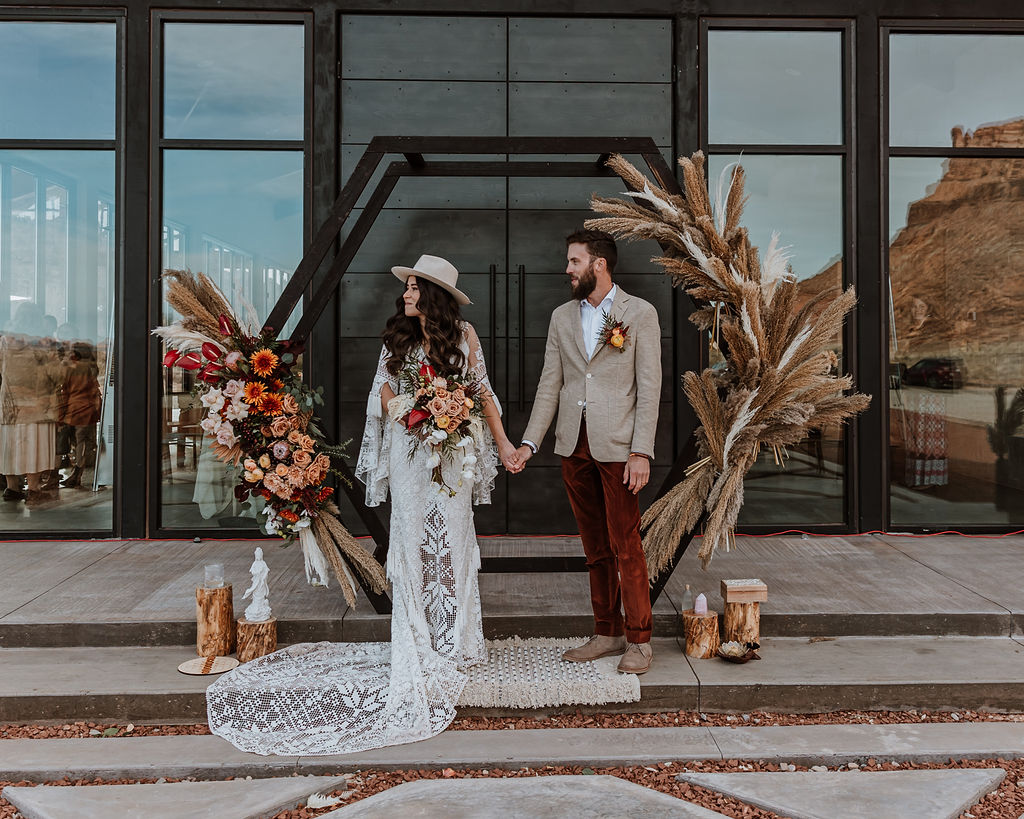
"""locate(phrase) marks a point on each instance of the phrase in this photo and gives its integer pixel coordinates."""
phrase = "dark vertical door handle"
(521, 270)
(492, 286)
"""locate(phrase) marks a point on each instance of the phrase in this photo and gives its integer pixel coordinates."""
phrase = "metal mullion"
(216, 15)
(58, 144)
(952, 25)
(939, 152)
(782, 149)
(777, 23)
(64, 14)
(232, 144)
(851, 267)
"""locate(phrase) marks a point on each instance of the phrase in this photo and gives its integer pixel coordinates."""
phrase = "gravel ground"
(668, 719)
(1005, 803)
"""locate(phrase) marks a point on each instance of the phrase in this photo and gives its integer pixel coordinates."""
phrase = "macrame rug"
(530, 673)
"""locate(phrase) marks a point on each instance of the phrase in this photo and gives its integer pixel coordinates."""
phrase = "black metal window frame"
(117, 17)
(846, 151)
(158, 144)
(886, 29)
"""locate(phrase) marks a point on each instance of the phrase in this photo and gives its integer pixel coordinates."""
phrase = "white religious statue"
(258, 610)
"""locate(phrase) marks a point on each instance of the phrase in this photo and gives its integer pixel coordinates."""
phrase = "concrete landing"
(934, 794)
(209, 757)
(542, 797)
(238, 799)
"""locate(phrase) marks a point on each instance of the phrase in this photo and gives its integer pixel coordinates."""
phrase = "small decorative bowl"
(745, 657)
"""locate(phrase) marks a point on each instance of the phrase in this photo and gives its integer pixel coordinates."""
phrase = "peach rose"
(443, 394)
(323, 462)
(301, 458)
(290, 405)
(458, 395)
(296, 422)
(453, 408)
(314, 475)
(279, 426)
(281, 469)
(464, 414)
(265, 430)
(294, 437)
(307, 443)
(420, 392)
(437, 406)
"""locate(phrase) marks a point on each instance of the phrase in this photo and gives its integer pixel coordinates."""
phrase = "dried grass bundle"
(781, 379)
(343, 551)
(200, 303)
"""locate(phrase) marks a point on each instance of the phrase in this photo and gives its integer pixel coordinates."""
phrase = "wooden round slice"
(208, 665)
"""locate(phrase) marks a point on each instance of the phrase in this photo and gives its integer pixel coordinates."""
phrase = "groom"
(602, 377)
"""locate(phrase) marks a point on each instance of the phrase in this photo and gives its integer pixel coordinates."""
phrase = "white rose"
(211, 424)
(213, 399)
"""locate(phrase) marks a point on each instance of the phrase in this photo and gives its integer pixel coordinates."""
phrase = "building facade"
(887, 149)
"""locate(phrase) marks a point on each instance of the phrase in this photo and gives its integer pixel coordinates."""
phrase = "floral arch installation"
(415, 164)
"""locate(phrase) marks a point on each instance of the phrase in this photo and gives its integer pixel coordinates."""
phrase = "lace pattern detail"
(330, 698)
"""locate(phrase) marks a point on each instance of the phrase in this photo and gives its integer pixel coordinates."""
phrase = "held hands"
(510, 457)
(637, 473)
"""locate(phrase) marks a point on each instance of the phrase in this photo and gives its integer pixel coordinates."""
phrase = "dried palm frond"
(780, 380)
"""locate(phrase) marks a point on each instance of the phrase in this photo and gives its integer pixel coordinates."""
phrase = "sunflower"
(263, 362)
(270, 404)
(254, 391)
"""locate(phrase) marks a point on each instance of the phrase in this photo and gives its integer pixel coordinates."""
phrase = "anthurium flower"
(224, 322)
(171, 357)
(189, 361)
(211, 351)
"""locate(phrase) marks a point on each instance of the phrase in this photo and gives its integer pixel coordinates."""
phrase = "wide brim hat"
(437, 271)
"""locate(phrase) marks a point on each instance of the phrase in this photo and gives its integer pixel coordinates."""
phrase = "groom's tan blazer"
(620, 390)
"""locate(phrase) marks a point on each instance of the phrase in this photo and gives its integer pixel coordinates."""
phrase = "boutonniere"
(614, 332)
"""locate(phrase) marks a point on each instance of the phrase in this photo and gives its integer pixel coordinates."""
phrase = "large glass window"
(57, 276)
(956, 256)
(771, 92)
(231, 212)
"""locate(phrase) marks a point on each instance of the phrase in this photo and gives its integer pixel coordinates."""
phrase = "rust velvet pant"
(608, 515)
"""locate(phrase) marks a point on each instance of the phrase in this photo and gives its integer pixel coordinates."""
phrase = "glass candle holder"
(213, 576)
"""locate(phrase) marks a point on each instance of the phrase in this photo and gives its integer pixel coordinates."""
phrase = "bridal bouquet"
(260, 419)
(439, 413)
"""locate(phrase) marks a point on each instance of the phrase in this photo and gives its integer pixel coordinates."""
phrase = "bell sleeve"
(486, 466)
(372, 466)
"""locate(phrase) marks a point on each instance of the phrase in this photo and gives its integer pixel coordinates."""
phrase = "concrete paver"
(239, 799)
(545, 797)
(934, 794)
(209, 757)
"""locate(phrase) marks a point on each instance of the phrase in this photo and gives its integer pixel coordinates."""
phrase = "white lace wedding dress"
(330, 698)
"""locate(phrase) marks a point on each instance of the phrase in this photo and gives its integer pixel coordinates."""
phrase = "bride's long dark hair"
(443, 326)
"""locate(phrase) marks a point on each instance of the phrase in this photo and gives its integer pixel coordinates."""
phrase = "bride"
(329, 698)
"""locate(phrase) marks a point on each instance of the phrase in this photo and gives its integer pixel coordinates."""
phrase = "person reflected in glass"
(29, 381)
(80, 409)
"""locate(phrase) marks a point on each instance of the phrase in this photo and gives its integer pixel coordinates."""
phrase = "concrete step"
(795, 675)
(210, 757)
(365, 626)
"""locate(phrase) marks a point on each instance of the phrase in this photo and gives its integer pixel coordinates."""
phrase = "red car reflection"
(937, 373)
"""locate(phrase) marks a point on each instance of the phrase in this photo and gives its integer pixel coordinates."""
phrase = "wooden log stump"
(701, 632)
(256, 639)
(742, 622)
(742, 618)
(215, 622)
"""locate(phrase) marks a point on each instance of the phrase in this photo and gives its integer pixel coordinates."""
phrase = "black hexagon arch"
(413, 149)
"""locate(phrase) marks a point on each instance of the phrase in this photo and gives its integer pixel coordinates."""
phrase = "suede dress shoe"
(596, 647)
(637, 658)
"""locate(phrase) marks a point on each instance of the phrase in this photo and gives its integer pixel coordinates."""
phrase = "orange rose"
(294, 436)
(301, 458)
(296, 422)
(314, 475)
(290, 405)
(617, 340)
(323, 462)
(442, 421)
(437, 406)
(307, 443)
(279, 426)
(281, 469)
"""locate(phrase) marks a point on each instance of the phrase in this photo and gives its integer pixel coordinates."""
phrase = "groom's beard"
(585, 284)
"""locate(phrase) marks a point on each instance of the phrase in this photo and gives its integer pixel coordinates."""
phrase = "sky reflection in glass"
(58, 80)
(233, 81)
(775, 87)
